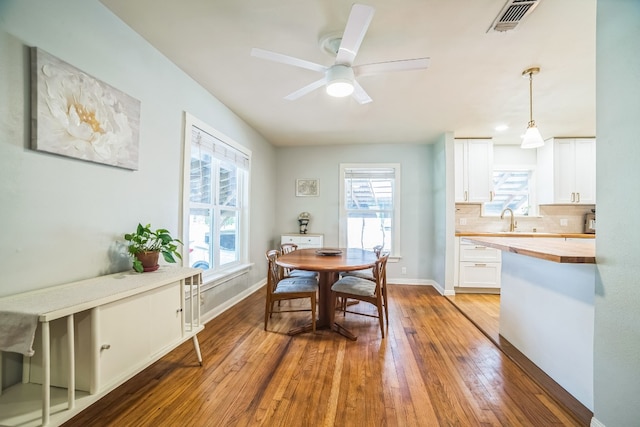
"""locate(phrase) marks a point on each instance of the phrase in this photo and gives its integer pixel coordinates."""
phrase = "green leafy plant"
(144, 239)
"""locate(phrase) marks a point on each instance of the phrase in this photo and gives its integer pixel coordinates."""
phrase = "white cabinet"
(473, 166)
(304, 241)
(93, 335)
(157, 319)
(567, 171)
(478, 266)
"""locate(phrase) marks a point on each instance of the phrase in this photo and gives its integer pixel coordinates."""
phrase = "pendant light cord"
(530, 98)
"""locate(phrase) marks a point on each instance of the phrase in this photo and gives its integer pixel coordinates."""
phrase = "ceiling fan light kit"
(532, 137)
(339, 78)
(340, 81)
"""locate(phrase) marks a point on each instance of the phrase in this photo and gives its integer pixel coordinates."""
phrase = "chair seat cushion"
(355, 285)
(303, 273)
(296, 284)
(363, 274)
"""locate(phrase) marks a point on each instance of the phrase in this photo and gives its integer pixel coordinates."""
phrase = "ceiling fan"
(340, 78)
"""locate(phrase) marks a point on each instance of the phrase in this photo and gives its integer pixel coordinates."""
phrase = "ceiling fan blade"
(389, 66)
(357, 25)
(305, 90)
(286, 59)
(359, 94)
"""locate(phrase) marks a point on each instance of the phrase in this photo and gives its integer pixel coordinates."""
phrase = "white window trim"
(342, 222)
(244, 232)
(533, 197)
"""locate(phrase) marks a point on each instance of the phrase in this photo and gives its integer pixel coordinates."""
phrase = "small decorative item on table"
(329, 252)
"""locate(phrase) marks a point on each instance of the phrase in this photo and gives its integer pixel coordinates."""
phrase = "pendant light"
(532, 137)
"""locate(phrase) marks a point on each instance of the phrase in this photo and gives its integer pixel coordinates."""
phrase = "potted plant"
(145, 245)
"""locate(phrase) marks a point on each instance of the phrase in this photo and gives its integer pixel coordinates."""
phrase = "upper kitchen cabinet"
(567, 171)
(473, 165)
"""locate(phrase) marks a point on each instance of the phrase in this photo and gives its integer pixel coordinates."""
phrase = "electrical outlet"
(463, 221)
(404, 270)
(564, 222)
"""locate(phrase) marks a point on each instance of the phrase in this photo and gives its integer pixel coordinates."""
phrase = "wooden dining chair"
(373, 292)
(281, 288)
(366, 273)
(285, 248)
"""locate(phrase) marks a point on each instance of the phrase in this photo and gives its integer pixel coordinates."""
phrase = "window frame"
(533, 195)
(243, 176)
(395, 220)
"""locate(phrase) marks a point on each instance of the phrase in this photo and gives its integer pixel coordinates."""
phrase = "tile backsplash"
(552, 219)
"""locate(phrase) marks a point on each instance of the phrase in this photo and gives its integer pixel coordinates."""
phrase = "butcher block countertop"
(523, 234)
(547, 248)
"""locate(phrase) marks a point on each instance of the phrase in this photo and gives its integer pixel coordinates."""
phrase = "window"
(513, 188)
(370, 206)
(216, 199)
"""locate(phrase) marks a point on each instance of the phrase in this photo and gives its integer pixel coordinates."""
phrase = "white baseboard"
(596, 423)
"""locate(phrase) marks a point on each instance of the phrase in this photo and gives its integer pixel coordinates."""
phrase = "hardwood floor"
(483, 310)
(433, 369)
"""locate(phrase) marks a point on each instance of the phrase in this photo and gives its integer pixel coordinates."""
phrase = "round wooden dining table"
(328, 262)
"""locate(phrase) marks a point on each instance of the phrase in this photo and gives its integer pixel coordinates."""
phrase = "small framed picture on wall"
(307, 188)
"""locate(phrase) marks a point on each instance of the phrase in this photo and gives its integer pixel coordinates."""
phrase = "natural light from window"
(369, 206)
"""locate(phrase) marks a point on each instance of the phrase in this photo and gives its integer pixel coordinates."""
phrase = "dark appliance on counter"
(590, 222)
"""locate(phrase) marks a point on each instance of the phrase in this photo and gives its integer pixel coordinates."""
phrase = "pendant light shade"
(532, 137)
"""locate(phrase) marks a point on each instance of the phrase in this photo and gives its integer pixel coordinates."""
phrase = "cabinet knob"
(179, 310)
(577, 197)
(481, 265)
(573, 197)
(105, 347)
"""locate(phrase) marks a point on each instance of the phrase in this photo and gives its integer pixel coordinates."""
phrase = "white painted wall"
(617, 319)
(513, 155)
(323, 163)
(63, 219)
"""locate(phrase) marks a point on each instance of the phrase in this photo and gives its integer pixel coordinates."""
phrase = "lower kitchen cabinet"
(478, 266)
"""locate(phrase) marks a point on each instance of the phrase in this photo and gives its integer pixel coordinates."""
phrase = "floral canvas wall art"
(76, 115)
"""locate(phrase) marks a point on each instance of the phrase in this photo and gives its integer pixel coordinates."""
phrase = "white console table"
(93, 335)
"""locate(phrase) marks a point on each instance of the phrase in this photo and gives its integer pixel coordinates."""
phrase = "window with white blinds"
(369, 206)
(216, 199)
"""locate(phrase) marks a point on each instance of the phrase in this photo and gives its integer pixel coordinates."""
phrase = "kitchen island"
(547, 306)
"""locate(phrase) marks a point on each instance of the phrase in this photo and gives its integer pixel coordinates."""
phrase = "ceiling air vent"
(512, 13)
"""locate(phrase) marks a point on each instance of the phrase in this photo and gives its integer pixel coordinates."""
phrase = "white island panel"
(547, 313)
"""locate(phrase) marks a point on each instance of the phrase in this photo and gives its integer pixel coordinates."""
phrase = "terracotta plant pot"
(149, 260)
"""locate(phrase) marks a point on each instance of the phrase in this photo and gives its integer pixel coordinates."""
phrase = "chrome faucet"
(512, 224)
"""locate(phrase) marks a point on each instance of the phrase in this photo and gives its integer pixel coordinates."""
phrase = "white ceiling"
(474, 81)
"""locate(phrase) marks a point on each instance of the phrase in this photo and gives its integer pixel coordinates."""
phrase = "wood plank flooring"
(433, 369)
(481, 309)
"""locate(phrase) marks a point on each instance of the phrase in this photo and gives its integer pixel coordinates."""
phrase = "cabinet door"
(478, 253)
(585, 171)
(458, 166)
(565, 171)
(289, 238)
(122, 338)
(165, 317)
(480, 170)
(480, 275)
(310, 242)
(473, 170)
